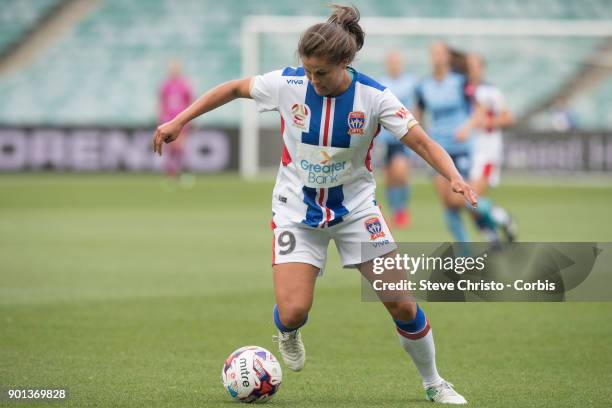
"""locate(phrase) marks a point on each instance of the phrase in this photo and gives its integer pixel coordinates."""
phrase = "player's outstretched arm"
(218, 96)
(436, 156)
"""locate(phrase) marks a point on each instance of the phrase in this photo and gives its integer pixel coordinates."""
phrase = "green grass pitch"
(130, 295)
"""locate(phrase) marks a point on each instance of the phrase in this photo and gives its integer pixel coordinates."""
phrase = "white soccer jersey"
(488, 142)
(488, 147)
(325, 171)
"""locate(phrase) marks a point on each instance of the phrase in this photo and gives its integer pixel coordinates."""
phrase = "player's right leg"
(487, 216)
(294, 285)
(482, 214)
(453, 204)
(398, 188)
(299, 254)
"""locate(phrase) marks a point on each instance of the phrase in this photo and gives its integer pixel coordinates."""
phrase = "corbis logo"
(300, 113)
(356, 121)
(374, 227)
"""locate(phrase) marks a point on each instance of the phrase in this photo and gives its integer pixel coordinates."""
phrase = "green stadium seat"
(107, 70)
(18, 16)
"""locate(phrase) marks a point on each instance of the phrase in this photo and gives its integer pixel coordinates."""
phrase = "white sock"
(500, 216)
(423, 354)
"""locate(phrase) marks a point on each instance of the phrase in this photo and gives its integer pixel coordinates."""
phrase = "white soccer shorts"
(487, 167)
(487, 159)
(361, 237)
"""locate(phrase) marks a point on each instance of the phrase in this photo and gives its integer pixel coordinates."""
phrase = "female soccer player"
(397, 164)
(443, 95)
(489, 116)
(324, 189)
(174, 97)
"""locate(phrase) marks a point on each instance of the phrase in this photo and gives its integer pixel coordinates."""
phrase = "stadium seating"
(17, 16)
(108, 68)
(594, 108)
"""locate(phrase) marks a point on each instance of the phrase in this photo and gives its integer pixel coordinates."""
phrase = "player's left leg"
(488, 216)
(452, 209)
(453, 202)
(174, 162)
(398, 184)
(482, 213)
(360, 239)
(415, 334)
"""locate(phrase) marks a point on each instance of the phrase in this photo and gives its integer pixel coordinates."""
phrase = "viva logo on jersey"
(356, 123)
(323, 166)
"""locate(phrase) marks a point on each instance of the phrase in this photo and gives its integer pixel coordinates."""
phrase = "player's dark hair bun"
(336, 40)
(348, 19)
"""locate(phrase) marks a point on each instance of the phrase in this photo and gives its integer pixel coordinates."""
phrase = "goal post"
(384, 33)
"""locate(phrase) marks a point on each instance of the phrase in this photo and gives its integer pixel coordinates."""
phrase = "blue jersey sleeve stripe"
(366, 80)
(290, 71)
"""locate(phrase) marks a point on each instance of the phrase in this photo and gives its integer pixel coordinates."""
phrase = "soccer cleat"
(506, 222)
(291, 349)
(510, 229)
(491, 237)
(401, 219)
(444, 393)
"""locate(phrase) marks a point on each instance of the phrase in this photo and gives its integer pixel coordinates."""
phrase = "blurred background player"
(442, 95)
(562, 117)
(397, 158)
(489, 115)
(174, 96)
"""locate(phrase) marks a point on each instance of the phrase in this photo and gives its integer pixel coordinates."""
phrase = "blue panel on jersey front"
(315, 104)
(344, 106)
(314, 213)
(334, 201)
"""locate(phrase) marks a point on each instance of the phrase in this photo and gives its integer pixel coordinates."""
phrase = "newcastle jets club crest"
(356, 122)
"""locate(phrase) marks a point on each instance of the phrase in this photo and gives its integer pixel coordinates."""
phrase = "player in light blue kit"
(397, 157)
(442, 95)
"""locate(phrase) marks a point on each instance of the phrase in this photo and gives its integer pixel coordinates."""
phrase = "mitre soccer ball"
(251, 374)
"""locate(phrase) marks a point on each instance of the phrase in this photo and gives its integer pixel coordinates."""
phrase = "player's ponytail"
(348, 19)
(458, 61)
(337, 40)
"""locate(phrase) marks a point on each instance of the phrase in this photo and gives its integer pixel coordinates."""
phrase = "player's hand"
(461, 187)
(463, 133)
(166, 133)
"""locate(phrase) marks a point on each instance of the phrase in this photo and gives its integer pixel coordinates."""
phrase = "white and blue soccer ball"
(251, 374)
